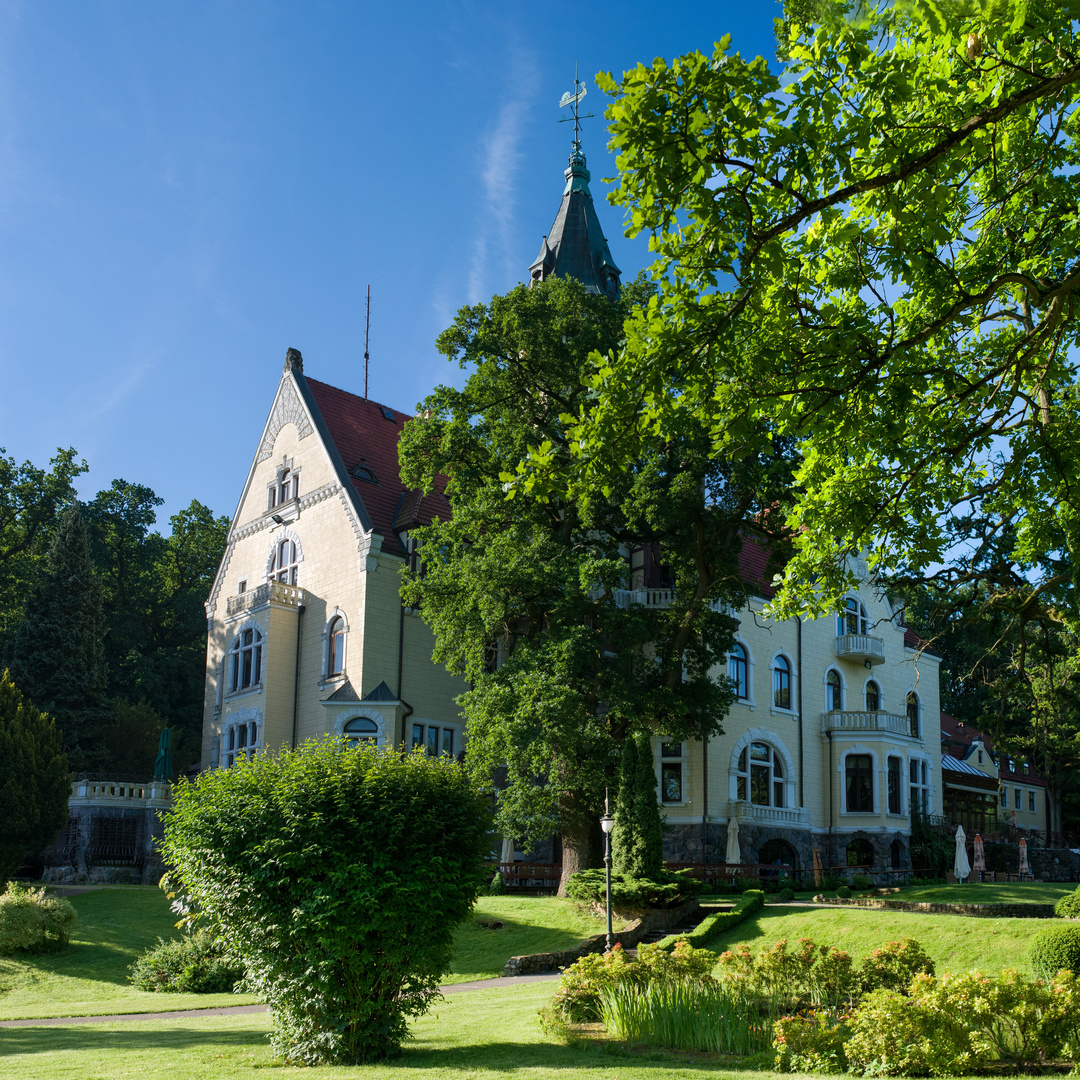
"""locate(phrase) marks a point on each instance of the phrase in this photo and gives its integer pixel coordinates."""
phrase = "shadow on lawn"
(86, 1039)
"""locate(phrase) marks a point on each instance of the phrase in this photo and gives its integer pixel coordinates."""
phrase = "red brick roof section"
(753, 568)
(364, 436)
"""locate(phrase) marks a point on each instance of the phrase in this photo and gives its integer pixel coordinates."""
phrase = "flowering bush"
(810, 975)
(811, 1042)
(894, 965)
(578, 996)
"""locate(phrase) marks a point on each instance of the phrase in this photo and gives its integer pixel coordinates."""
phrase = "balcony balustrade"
(865, 721)
(654, 598)
(860, 647)
(273, 592)
(746, 812)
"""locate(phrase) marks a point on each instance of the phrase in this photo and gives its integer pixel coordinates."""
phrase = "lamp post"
(607, 823)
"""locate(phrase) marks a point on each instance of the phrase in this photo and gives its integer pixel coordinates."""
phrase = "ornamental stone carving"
(288, 409)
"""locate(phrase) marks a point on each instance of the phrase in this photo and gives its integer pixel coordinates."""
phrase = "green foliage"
(498, 885)
(1068, 906)
(860, 882)
(894, 965)
(785, 895)
(582, 984)
(31, 500)
(57, 656)
(844, 892)
(961, 1024)
(337, 876)
(719, 922)
(34, 779)
(811, 1042)
(932, 846)
(193, 964)
(1057, 948)
(786, 980)
(627, 893)
(861, 245)
(637, 841)
(699, 1016)
(32, 921)
(538, 575)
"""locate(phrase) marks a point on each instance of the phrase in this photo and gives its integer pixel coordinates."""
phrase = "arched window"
(781, 683)
(361, 730)
(778, 853)
(896, 855)
(859, 784)
(760, 775)
(283, 564)
(852, 620)
(834, 691)
(737, 669)
(913, 713)
(245, 660)
(873, 696)
(860, 853)
(335, 656)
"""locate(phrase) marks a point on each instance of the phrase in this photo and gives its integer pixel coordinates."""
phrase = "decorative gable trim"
(288, 409)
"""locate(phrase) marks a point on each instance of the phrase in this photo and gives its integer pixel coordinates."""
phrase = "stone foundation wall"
(665, 919)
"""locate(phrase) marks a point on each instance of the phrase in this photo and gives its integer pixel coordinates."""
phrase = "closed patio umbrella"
(961, 866)
(1024, 867)
(163, 766)
(734, 855)
(817, 867)
(507, 855)
(978, 861)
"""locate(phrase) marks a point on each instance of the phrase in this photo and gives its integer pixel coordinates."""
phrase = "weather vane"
(572, 98)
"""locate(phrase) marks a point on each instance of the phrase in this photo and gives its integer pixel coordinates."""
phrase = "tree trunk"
(581, 845)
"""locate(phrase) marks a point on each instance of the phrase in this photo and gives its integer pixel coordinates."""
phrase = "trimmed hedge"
(1057, 948)
(1068, 906)
(669, 889)
(712, 926)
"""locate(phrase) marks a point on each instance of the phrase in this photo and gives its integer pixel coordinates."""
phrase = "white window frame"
(747, 701)
(875, 782)
(363, 713)
(926, 790)
(419, 721)
(272, 570)
(904, 783)
(843, 688)
(881, 694)
(861, 618)
(792, 676)
(227, 673)
(682, 759)
(780, 747)
(327, 674)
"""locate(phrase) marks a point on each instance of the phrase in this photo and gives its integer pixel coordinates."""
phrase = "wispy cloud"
(493, 254)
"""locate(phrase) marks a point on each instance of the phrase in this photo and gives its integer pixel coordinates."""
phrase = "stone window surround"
(247, 715)
(843, 687)
(226, 666)
(284, 533)
(660, 761)
(876, 772)
(748, 701)
(777, 743)
(326, 678)
(793, 675)
(366, 713)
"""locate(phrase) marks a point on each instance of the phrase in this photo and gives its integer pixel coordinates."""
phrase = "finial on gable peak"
(294, 361)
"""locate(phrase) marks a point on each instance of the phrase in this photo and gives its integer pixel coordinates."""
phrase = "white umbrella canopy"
(734, 855)
(978, 861)
(961, 866)
(1024, 867)
(507, 854)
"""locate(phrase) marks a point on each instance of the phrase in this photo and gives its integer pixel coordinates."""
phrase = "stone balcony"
(860, 647)
(653, 598)
(273, 592)
(746, 813)
(120, 793)
(865, 721)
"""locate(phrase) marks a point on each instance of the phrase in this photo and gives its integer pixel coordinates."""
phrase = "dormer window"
(285, 488)
(362, 472)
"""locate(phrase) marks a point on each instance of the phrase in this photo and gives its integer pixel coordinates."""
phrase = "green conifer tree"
(57, 657)
(34, 779)
(625, 841)
(650, 827)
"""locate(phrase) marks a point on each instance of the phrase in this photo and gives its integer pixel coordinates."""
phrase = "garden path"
(238, 1010)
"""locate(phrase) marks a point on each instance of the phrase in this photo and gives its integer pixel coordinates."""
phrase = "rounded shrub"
(193, 964)
(498, 885)
(785, 895)
(1057, 948)
(843, 893)
(1068, 906)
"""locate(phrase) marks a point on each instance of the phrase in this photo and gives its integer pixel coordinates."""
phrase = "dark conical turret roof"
(576, 246)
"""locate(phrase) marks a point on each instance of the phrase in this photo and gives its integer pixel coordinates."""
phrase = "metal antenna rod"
(367, 333)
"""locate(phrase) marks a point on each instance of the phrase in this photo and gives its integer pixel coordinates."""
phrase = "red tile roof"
(960, 735)
(366, 433)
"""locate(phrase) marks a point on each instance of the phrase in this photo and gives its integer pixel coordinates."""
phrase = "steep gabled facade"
(307, 635)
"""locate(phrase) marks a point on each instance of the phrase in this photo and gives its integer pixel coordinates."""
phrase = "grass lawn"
(482, 1034)
(955, 943)
(530, 924)
(115, 925)
(1028, 892)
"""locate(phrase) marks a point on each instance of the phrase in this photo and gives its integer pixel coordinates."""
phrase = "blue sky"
(187, 189)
